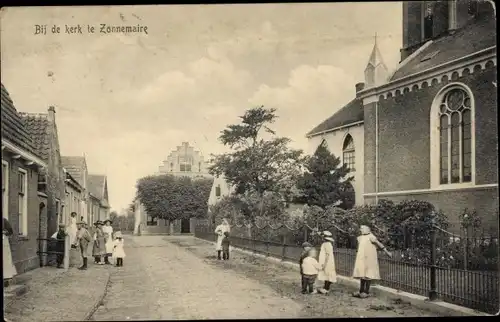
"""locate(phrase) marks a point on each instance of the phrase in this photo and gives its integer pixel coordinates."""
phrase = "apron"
(9, 270)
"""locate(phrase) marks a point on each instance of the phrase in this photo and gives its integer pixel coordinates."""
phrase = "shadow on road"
(286, 282)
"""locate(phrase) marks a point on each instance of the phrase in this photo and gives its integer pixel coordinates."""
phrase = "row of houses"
(428, 130)
(40, 187)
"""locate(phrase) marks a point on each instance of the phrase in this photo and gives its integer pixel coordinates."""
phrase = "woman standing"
(9, 270)
(99, 249)
(220, 230)
(366, 266)
(327, 262)
(108, 235)
(72, 229)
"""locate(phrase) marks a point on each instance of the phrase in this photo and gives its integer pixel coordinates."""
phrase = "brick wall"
(404, 146)
(55, 182)
(404, 136)
(453, 203)
(24, 249)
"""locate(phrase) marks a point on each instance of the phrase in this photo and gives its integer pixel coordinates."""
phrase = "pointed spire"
(376, 72)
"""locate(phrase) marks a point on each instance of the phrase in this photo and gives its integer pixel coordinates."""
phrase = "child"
(118, 251)
(310, 269)
(108, 235)
(225, 246)
(326, 259)
(366, 266)
(83, 239)
(99, 249)
(306, 247)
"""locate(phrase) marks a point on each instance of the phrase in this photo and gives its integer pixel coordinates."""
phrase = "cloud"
(313, 92)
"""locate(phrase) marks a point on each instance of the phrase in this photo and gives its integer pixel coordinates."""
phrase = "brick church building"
(430, 128)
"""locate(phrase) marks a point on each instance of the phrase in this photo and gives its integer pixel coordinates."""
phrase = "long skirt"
(99, 248)
(9, 270)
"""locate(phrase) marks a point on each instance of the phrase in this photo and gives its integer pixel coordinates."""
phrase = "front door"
(185, 226)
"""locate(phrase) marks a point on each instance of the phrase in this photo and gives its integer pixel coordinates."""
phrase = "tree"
(256, 165)
(172, 198)
(325, 181)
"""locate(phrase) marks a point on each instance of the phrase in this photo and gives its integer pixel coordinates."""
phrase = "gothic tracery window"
(348, 153)
(455, 135)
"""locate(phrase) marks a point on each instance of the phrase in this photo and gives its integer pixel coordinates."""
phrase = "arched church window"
(348, 153)
(455, 136)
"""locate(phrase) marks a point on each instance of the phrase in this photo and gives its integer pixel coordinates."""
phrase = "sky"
(125, 101)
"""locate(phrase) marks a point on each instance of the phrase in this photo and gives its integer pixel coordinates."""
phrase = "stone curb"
(100, 299)
(387, 293)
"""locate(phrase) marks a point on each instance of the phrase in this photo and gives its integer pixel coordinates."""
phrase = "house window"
(5, 189)
(348, 153)
(455, 137)
(217, 191)
(22, 184)
(59, 218)
(171, 167)
(185, 168)
(152, 221)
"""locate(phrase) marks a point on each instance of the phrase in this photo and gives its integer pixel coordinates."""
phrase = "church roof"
(350, 113)
(37, 125)
(13, 127)
(476, 36)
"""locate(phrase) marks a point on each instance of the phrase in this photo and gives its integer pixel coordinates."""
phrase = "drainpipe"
(376, 153)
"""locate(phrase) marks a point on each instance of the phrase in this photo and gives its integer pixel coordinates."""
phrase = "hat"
(306, 244)
(81, 222)
(118, 234)
(62, 226)
(99, 222)
(108, 220)
(327, 235)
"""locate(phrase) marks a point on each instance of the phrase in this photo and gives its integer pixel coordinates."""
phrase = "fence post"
(432, 291)
(466, 246)
(284, 246)
(67, 247)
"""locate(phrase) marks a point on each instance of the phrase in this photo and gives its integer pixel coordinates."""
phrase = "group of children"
(105, 243)
(366, 266)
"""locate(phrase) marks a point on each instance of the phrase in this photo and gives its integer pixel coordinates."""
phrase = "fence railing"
(459, 269)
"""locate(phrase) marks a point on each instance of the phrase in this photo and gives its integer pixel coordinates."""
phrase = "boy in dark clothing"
(307, 247)
(225, 246)
(60, 236)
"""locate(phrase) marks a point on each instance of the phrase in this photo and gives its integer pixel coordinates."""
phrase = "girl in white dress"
(326, 259)
(118, 250)
(9, 270)
(220, 230)
(366, 266)
(108, 235)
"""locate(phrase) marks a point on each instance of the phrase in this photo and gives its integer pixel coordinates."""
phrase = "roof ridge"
(27, 114)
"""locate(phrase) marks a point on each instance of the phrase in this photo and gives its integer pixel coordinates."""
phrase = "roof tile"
(479, 34)
(37, 125)
(13, 128)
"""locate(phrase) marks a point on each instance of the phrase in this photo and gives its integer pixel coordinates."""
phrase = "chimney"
(359, 87)
(52, 113)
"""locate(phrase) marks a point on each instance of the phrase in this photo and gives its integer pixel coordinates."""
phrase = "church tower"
(428, 20)
(376, 72)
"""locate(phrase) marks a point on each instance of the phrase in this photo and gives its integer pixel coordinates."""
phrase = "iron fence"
(459, 269)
